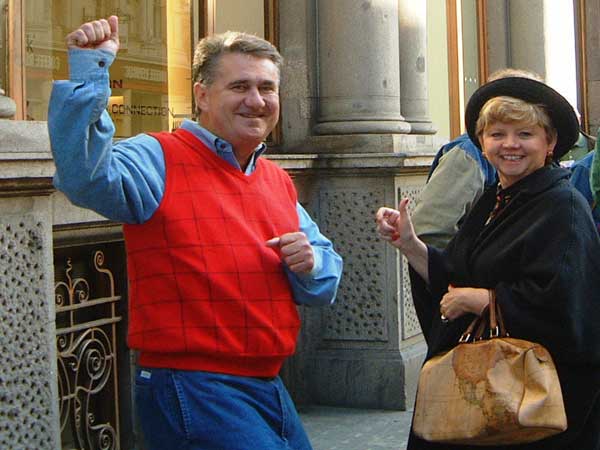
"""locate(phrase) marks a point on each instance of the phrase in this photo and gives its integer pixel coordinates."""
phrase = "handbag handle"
(491, 316)
(501, 329)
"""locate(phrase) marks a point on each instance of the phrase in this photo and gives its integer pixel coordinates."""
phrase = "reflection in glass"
(151, 77)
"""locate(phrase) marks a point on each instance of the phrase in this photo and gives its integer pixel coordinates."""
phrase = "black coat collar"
(475, 232)
(539, 181)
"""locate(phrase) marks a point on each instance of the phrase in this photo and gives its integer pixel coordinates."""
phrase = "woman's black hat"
(558, 108)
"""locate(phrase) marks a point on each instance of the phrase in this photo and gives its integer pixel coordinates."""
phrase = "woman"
(531, 239)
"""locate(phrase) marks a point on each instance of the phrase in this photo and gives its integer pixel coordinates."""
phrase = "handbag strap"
(483, 325)
(491, 317)
(499, 329)
(466, 336)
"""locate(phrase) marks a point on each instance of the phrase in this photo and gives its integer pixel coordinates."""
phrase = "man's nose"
(254, 98)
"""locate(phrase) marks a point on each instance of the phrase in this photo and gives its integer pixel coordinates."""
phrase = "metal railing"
(86, 340)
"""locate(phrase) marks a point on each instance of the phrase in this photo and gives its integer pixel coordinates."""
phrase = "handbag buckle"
(494, 332)
(465, 338)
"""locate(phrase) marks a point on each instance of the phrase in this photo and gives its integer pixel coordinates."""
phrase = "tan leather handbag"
(489, 390)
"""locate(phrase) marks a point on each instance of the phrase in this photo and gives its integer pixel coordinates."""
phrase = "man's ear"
(200, 95)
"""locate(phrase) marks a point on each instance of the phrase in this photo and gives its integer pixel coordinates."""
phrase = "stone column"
(29, 412)
(414, 103)
(366, 349)
(359, 68)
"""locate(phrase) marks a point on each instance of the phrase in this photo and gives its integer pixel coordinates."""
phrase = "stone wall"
(366, 349)
(28, 389)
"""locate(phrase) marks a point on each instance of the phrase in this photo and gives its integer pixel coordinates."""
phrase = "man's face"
(242, 104)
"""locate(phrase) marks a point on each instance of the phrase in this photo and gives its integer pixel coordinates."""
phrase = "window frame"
(454, 71)
(16, 85)
(455, 57)
(455, 78)
(579, 9)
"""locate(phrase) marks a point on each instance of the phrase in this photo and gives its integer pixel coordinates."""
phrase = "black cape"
(541, 254)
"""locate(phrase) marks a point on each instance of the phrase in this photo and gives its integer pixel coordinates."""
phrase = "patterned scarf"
(503, 198)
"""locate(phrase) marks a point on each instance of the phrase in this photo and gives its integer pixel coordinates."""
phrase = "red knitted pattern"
(205, 292)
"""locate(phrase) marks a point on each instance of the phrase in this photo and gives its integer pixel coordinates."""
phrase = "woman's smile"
(515, 149)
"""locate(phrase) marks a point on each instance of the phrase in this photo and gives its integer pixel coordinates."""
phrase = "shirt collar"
(220, 146)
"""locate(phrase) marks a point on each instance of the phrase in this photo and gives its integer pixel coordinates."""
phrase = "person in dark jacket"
(531, 239)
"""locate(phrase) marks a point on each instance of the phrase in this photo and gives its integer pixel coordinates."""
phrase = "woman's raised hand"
(395, 226)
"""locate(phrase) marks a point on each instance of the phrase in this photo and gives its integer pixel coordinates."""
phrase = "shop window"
(240, 15)
(151, 77)
(250, 16)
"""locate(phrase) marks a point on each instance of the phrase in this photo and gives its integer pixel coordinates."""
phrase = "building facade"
(370, 89)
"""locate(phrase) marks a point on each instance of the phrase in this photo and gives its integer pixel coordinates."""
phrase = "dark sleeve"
(426, 298)
(556, 299)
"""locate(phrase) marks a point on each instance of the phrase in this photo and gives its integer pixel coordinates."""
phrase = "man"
(458, 176)
(218, 247)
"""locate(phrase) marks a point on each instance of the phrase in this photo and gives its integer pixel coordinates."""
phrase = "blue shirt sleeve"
(123, 182)
(320, 286)
(580, 176)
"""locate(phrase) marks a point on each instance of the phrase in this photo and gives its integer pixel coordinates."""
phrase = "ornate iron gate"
(87, 316)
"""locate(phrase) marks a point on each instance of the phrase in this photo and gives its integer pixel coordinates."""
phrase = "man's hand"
(99, 34)
(296, 252)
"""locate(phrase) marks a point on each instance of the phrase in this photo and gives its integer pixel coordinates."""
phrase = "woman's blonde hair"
(509, 110)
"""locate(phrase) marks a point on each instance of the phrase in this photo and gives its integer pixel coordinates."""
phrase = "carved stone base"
(368, 379)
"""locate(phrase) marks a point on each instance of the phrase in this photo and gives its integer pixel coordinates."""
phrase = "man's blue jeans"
(192, 410)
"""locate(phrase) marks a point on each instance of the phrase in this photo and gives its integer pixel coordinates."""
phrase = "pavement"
(332, 428)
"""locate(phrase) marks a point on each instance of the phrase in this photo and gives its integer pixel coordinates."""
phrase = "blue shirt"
(580, 178)
(125, 181)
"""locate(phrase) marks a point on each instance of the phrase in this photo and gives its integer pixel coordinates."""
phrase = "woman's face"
(515, 150)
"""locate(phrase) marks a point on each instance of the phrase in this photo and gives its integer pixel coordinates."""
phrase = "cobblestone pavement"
(355, 429)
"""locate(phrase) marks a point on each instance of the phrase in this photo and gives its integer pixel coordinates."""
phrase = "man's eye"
(238, 88)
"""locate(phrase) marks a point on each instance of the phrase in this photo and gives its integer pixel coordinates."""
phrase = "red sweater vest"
(205, 292)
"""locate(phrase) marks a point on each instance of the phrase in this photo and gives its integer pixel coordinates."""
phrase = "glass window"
(240, 15)
(151, 77)
(470, 49)
(437, 55)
